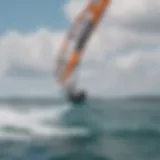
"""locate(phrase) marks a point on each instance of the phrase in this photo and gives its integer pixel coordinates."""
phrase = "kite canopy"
(76, 39)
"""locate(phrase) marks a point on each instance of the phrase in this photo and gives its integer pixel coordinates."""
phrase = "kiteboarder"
(79, 97)
(73, 94)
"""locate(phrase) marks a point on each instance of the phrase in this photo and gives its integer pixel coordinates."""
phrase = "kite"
(75, 41)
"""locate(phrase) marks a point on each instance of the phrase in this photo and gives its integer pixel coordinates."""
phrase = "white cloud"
(128, 26)
(35, 50)
(139, 15)
(135, 72)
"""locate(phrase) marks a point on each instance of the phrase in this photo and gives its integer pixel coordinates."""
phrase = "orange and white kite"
(77, 37)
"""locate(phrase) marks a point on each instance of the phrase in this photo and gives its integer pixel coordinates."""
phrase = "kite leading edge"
(74, 44)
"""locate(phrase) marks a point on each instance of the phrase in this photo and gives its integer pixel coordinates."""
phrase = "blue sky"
(29, 15)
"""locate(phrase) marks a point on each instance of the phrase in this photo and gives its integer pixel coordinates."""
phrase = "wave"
(35, 123)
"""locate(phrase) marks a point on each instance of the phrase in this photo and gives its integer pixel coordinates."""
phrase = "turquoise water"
(101, 129)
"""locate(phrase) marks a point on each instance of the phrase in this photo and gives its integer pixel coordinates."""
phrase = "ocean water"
(102, 129)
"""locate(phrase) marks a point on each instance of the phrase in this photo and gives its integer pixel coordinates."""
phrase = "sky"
(28, 16)
(122, 57)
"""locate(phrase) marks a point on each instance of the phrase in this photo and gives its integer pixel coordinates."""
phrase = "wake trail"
(25, 125)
